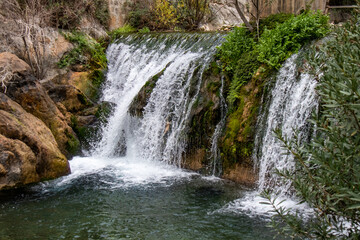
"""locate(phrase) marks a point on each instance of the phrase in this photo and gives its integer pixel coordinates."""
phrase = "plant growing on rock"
(276, 45)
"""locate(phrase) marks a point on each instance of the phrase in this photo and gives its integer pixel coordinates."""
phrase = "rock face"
(224, 14)
(32, 96)
(12, 63)
(117, 13)
(29, 152)
(289, 6)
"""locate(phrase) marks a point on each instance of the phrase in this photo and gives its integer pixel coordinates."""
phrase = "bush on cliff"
(276, 45)
(89, 53)
(241, 54)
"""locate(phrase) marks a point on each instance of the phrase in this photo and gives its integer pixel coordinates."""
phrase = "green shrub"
(191, 12)
(244, 71)
(237, 42)
(241, 55)
(273, 21)
(87, 52)
(121, 30)
(276, 45)
(139, 14)
(144, 30)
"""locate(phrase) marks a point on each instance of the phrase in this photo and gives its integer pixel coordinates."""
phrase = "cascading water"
(126, 189)
(292, 102)
(179, 60)
(289, 106)
(215, 152)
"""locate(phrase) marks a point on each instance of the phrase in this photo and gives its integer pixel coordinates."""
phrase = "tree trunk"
(242, 16)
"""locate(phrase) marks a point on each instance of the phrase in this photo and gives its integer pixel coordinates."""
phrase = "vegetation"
(327, 173)
(246, 63)
(121, 30)
(87, 52)
(67, 14)
(192, 12)
(282, 35)
(167, 15)
(276, 45)
(164, 14)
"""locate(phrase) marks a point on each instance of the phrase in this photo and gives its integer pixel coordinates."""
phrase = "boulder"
(13, 63)
(79, 80)
(29, 151)
(17, 163)
(70, 97)
(31, 95)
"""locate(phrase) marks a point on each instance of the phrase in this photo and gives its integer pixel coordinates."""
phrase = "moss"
(213, 86)
(89, 53)
(104, 111)
(72, 144)
(238, 141)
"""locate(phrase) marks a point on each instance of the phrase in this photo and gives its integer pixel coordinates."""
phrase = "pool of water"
(120, 199)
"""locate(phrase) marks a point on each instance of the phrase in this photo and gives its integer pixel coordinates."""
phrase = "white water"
(215, 152)
(291, 102)
(138, 151)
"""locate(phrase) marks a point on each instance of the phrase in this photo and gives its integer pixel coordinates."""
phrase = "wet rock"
(241, 173)
(28, 150)
(70, 97)
(138, 104)
(79, 80)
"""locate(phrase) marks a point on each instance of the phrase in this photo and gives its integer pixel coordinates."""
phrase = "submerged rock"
(29, 151)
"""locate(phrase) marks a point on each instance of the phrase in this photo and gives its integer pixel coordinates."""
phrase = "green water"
(118, 202)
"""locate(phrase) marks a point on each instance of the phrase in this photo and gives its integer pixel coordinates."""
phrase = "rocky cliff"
(40, 120)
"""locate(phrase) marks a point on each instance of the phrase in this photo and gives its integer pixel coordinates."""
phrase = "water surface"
(123, 199)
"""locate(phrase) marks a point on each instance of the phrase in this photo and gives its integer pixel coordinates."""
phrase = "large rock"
(31, 95)
(12, 63)
(79, 80)
(69, 96)
(17, 163)
(29, 152)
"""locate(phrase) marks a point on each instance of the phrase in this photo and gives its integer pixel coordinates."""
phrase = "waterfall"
(292, 101)
(215, 152)
(287, 107)
(179, 61)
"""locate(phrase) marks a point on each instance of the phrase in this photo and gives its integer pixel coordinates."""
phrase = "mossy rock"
(238, 140)
(138, 104)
